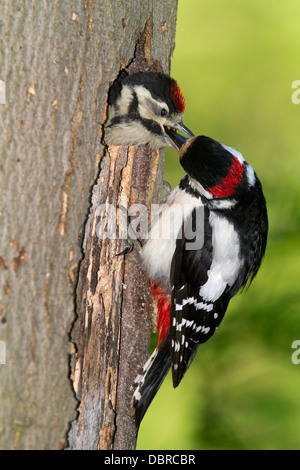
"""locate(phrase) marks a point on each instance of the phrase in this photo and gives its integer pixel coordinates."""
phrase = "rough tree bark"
(57, 278)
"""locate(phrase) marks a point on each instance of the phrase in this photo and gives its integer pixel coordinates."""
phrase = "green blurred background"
(235, 62)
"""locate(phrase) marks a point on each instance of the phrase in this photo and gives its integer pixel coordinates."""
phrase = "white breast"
(158, 251)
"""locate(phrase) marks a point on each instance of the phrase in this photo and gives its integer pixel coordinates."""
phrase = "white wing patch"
(226, 261)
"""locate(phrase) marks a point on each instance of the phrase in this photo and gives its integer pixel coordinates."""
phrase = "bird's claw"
(129, 245)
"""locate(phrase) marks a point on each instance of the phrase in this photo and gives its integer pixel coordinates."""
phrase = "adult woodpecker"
(142, 107)
(193, 285)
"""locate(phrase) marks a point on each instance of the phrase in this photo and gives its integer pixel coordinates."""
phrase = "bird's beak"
(180, 127)
(176, 140)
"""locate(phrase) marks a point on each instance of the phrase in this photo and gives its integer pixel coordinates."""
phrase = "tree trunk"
(57, 277)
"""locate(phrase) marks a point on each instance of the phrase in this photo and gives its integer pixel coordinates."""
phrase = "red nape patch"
(228, 184)
(177, 97)
(163, 315)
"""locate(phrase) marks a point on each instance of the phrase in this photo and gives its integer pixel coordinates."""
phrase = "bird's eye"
(164, 112)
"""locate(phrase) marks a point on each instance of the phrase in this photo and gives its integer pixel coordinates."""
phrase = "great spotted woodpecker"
(194, 286)
(142, 108)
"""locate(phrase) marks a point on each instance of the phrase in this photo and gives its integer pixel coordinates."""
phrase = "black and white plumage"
(194, 286)
(142, 108)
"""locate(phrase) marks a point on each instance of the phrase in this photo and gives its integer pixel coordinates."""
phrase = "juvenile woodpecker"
(142, 107)
(193, 284)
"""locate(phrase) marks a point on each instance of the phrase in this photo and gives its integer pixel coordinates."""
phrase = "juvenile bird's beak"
(183, 129)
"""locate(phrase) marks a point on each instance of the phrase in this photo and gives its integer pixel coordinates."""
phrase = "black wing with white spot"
(192, 319)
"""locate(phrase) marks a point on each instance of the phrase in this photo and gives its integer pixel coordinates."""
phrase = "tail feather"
(148, 383)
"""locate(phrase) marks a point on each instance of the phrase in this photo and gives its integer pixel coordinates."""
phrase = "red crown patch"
(177, 97)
